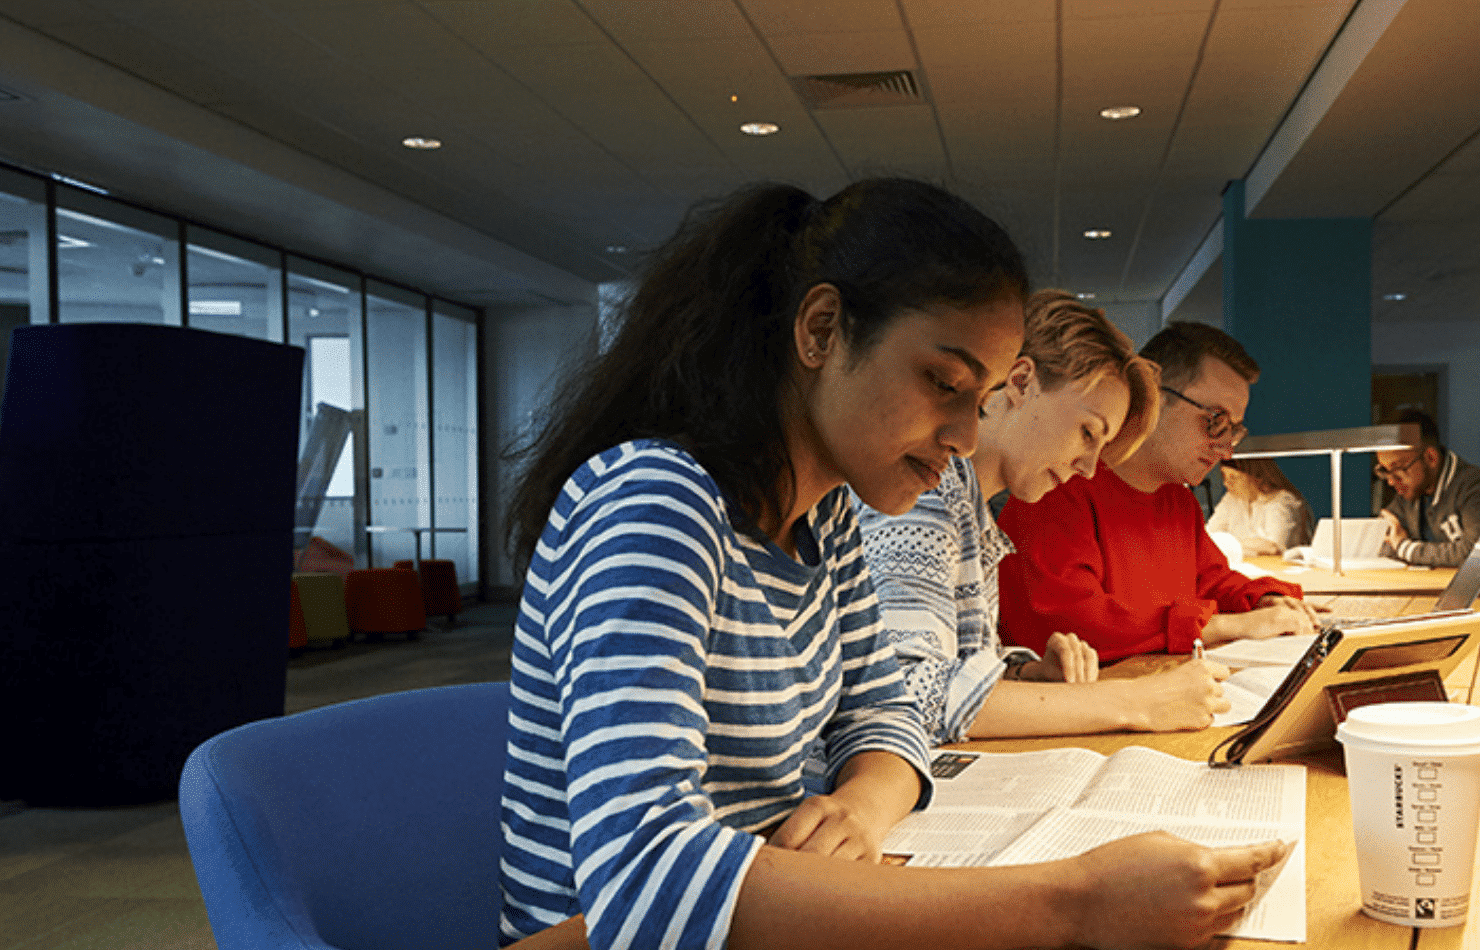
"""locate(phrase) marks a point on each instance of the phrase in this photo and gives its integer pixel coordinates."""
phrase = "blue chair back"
(367, 825)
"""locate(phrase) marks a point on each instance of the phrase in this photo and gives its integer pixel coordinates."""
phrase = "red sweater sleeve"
(1232, 591)
(1128, 572)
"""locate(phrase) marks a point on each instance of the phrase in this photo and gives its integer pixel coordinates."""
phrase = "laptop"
(1361, 546)
(1355, 663)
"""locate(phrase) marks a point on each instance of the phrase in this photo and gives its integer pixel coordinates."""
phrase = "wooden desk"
(1315, 580)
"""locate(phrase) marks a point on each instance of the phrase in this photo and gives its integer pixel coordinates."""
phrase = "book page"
(1276, 913)
(1024, 781)
(984, 801)
(1142, 781)
(955, 837)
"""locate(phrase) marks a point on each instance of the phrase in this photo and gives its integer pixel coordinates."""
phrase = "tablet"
(1402, 658)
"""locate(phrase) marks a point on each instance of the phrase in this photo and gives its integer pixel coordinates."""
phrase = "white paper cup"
(1413, 771)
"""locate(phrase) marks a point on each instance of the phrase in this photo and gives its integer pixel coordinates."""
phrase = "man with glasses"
(1123, 559)
(1435, 517)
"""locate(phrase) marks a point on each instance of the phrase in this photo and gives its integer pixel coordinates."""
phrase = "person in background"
(1078, 392)
(1435, 517)
(1123, 559)
(697, 610)
(1261, 507)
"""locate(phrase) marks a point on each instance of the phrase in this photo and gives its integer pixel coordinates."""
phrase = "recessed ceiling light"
(1394, 296)
(421, 142)
(760, 128)
(616, 249)
(1097, 234)
(1085, 296)
(1120, 112)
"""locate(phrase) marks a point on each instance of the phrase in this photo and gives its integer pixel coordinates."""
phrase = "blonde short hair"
(1069, 341)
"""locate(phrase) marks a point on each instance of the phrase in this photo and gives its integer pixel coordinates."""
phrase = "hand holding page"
(1028, 807)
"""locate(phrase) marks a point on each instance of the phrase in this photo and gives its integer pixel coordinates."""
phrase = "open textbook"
(995, 809)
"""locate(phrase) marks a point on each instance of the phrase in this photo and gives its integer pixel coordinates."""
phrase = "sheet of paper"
(1276, 651)
(1247, 691)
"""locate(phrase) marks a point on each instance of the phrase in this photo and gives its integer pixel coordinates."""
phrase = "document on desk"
(994, 809)
(1261, 666)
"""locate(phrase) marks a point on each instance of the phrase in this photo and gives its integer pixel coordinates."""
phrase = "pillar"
(1297, 293)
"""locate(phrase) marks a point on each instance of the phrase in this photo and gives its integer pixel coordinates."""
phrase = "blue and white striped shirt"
(669, 676)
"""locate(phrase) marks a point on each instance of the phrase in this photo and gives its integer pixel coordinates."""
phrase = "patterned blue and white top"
(935, 569)
(669, 676)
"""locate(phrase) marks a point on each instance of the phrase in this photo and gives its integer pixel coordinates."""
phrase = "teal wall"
(1298, 295)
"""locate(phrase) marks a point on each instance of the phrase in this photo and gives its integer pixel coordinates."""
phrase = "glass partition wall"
(24, 289)
(397, 403)
(454, 352)
(388, 432)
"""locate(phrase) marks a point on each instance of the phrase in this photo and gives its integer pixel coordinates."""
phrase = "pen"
(1197, 653)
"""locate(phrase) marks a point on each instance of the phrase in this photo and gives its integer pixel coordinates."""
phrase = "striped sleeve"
(875, 710)
(624, 582)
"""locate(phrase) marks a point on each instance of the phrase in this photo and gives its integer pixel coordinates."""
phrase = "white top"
(1281, 518)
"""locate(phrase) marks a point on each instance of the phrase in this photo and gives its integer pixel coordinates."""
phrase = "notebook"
(1354, 663)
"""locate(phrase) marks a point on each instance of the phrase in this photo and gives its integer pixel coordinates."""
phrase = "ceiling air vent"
(858, 90)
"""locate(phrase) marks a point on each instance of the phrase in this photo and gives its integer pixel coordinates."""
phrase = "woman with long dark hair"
(697, 612)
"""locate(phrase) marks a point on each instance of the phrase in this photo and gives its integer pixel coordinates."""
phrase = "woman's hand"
(1277, 615)
(1066, 659)
(1187, 696)
(1157, 890)
(824, 824)
(874, 790)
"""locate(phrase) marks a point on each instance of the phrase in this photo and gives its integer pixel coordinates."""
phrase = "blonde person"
(1077, 391)
(1262, 508)
(697, 611)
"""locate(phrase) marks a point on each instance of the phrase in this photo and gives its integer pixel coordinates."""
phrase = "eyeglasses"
(1382, 471)
(1217, 422)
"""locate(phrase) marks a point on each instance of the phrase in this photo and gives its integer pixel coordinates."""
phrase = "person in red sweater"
(1123, 559)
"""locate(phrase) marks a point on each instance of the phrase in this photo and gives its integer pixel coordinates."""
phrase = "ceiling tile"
(818, 54)
(42, 14)
(888, 141)
(782, 17)
(953, 14)
(492, 25)
(647, 20)
(1003, 47)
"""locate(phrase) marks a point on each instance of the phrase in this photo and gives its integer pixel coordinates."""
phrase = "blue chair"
(367, 825)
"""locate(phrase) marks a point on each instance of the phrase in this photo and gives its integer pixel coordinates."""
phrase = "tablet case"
(1399, 658)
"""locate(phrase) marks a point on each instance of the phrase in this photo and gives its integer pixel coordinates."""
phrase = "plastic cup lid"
(1437, 726)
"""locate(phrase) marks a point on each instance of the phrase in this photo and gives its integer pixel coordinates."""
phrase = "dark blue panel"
(145, 552)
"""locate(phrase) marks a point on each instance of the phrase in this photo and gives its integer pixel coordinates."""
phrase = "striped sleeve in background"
(668, 676)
